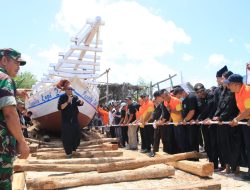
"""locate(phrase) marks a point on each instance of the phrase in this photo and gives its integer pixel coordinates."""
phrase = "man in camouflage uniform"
(10, 129)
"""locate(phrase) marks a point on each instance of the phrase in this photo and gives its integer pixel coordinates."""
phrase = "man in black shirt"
(189, 114)
(124, 127)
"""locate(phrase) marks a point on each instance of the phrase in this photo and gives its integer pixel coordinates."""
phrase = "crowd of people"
(188, 121)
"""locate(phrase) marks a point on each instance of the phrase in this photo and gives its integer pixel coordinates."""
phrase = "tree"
(25, 80)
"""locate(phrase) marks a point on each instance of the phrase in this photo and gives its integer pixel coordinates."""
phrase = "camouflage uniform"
(7, 141)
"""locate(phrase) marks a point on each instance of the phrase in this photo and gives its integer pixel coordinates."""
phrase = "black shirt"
(117, 117)
(206, 106)
(132, 108)
(227, 108)
(188, 104)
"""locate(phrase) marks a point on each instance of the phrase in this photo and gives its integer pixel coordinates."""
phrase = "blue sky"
(147, 39)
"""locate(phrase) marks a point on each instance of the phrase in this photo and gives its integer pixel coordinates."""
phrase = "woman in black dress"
(70, 131)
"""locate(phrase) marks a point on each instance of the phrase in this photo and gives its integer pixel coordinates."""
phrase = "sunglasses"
(70, 88)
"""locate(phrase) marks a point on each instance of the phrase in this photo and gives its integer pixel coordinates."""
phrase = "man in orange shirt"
(147, 131)
(174, 106)
(242, 96)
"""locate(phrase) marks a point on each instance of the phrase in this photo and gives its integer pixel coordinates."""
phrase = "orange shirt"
(174, 105)
(104, 115)
(243, 98)
(146, 107)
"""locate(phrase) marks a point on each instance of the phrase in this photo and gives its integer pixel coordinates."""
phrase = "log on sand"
(103, 147)
(133, 164)
(33, 147)
(204, 185)
(198, 168)
(74, 168)
(81, 179)
(37, 141)
(18, 182)
(87, 154)
(81, 160)
(84, 143)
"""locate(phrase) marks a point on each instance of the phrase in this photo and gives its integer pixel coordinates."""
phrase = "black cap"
(198, 87)
(234, 78)
(221, 71)
(227, 74)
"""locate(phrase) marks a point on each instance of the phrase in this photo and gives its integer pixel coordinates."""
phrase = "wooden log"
(61, 148)
(99, 141)
(87, 154)
(197, 168)
(133, 164)
(85, 143)
(81, 160)
(81, 179)
(82, 149)
(37, 141)
(74, 168)
(33, 147)
(18, 182)
(204, 185)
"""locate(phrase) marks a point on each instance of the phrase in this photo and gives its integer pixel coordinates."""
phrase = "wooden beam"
(133, 164)
(18, 182)
(74, 168)
(33, 147)
(81, 179)
(87, 154)
(81, 160)
(197, 168)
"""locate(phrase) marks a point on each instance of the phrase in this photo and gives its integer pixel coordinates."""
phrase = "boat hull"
(43, 105)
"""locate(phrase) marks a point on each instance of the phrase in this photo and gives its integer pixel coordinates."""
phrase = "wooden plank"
(81, 179)
(197, 168)
(33, 147)
(133, 164)
(18, 182)
(81, 160)
(87, 154)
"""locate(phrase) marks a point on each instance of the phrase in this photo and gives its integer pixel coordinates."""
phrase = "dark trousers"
(213, 151)
(223, 144)
(25, 133)
(124, 135)
(236, 143)
(149, 136)
(193, 132)
(71, 136)
(206, 139)
(170, 147)
(143, 138)
(246, 133)
(112, 132)
(180, 133)
(160, 133)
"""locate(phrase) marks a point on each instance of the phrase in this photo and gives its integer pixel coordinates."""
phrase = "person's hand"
(216, 119)
(248, 122)
(234, 122)
(207, 121)
(81, 102)
(23, 150)
(192, 122)
(23, 93)
(184, 122)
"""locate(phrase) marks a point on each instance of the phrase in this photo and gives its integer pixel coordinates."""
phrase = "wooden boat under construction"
(80, 65)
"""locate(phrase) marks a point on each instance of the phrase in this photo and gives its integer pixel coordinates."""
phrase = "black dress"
(70, 130)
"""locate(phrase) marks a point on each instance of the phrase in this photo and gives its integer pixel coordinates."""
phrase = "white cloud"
(231, 40)
(133, 37)
(187, 57)
(51, 55)
(247, 46)
(216, 60)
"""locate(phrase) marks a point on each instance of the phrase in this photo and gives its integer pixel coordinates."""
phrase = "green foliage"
(25, 80)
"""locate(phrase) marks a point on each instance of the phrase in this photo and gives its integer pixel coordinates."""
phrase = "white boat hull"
(44, 105)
